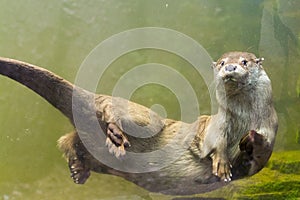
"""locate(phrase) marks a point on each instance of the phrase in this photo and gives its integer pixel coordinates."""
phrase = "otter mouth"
(230, 78)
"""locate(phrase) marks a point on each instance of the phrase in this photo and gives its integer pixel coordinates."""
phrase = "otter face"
(237, 69)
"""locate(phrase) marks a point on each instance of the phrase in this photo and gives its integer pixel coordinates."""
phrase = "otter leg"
(215, 147)
(75, 154)
(116, 140)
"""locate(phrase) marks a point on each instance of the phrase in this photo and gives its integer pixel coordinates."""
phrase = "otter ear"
(259, 60)
(214, 64)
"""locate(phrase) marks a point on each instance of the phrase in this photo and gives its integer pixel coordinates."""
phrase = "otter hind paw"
(116, 141)
(79, 172)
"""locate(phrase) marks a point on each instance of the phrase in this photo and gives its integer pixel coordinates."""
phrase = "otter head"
(236, 70)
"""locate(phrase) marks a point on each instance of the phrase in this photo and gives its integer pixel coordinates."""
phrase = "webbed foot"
(79, 172)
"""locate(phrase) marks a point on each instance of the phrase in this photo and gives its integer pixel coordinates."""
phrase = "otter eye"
(222, 63)
(244, 62)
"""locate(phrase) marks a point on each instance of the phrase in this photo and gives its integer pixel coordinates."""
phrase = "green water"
(58, 35)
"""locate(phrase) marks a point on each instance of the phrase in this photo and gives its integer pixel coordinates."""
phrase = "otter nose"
(230, 68)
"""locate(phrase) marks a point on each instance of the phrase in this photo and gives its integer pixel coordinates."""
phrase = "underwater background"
(59, 34)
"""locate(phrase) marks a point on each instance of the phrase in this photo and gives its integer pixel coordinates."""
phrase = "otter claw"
(227, 180)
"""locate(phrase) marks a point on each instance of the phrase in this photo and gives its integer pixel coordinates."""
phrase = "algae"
(286, 162)
(280, 179)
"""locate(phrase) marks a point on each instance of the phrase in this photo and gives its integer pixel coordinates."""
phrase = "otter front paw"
(257, 151)
(251, 140)
(221, 168)
(116, 141)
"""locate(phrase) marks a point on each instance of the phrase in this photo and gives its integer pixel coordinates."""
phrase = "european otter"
(234, 143)
(243, 91)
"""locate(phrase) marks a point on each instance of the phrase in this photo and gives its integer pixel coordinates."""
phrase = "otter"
(234, 143)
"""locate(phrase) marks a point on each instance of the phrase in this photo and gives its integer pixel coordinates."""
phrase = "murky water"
(58, 35)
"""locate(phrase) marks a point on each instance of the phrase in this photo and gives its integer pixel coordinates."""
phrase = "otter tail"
(56, 90)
